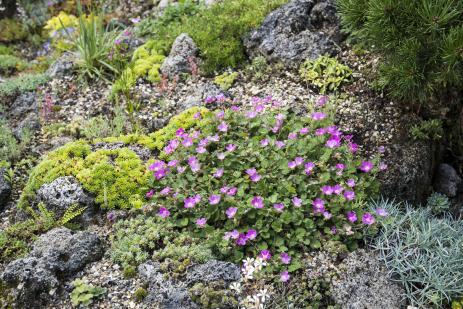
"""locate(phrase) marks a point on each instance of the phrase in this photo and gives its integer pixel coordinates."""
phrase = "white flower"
(236, 286)
(264, 295)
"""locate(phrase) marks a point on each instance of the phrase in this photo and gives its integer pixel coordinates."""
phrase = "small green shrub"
(11, 30)
(324, 72)
(129, 272)
(22, 83)
(10, 148)
(9, 63)
(427, 130)
(420, 43)
(6, 50)
(116, 177)
(242, 161)
(226, 80)
(140, 294)
(139, 239)
(457, 304)
(423, 253)
(258, 68)
(438, 203)
(84, 294)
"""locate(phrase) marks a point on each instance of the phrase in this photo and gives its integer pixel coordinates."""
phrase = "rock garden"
(231, 154)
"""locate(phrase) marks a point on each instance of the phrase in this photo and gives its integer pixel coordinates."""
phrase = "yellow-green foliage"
(457, 304)
(146, 62)
(59, 29)
(11, 30)
(325, 72)
(115, 177)
(226, 80)
(157, 140)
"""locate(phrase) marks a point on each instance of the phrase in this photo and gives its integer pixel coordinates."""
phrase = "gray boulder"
(56, 255)
(365, 284)
(182, 54)
(63, 193)
(62, 66)
(24, 104)
(30, 122)
(213, 271)
(299, 30)
(170, 294)
(446, 180)
(5, 188)
(164, 292)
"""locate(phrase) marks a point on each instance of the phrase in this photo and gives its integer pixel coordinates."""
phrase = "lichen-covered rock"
(62, 66)
(212, 271)
(181, 57)
(299, 30)
(30, 122)
(5, 188)
(164, 292)
(56, 255)
(364, 284)
(446, 180)
(24, 104)
(63, 193)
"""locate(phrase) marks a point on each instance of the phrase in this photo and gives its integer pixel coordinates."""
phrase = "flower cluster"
(266, 178)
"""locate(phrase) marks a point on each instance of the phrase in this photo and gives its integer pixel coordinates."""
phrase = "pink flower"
(351, 182)
(165, 191)
(172, 163)
(265, 255)
(221, 156)
(163, 212)
(241, 240)
(251, 114)
(264, 142)
(232, 191)
(231, 212)
(257, 202)
(349, 195)
(337, 189)
(204, 142)
(381, 149)
(299, 161)
(222, 127)
(197, 198)
(195, 134)
(292, 136)
(368, 218)
(292, 164)
(327, 190)
(214, 199)
(352, 216)
(198, 114)
(179, 132)
(280, 144)
(284, 276)
(224, 190)
(318, 205)
(156, 166)
(200, 150)
(160, 174)
(201, 222)
(187, 142)
(181, 169)
(309, 166)
(251, 234)
(382, 166)
(218, 173)
(235, 108)
(253, 175)
(233, 235)
(189, 202)
(285, 258)
(318, 116)
(333, 142)
(327, 215)
(255, 178)
(381, 212)
(366, 166)
(304, 131)
(150, 194)
(279, 207)
(220, 114)
(230, 147)
(297, 202)
(353, 147)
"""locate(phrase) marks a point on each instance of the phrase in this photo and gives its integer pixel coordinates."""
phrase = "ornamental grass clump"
(423, 253)
(266, 181)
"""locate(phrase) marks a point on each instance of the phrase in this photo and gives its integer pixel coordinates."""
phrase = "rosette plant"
(265, 179)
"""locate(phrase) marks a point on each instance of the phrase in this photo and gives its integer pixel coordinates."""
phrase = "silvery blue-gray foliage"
(422, 252)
